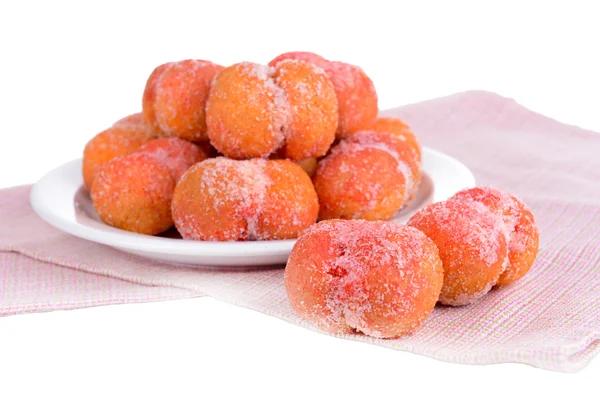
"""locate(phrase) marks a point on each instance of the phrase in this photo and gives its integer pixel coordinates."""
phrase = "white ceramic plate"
(61, 200)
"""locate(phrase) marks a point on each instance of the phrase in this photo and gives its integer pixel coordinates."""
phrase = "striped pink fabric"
(549, 319)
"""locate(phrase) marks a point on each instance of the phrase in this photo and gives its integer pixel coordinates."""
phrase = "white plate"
(61, 200)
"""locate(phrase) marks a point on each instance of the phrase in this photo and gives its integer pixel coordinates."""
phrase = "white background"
(67, 71)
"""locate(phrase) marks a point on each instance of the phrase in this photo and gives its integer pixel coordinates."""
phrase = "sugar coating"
(378, 278)
(519, 227)
(221, 199)
(281, 107)
(134, 193)
(472, 247)
(176, 154)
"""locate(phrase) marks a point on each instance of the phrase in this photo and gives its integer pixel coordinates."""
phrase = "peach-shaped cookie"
(134, 193)
(177, 154)
(254, 110)
(397, 127)
(223, 199)
(355, 92)
(175, 97)
(520, 228)
(246, 112)
(472, 247)
(290, 204)
(408, 161)
(355, 182)
(113, 142)
(356, 95)
(313, 106)
(305, 56)
(379, 278)
(367, 176)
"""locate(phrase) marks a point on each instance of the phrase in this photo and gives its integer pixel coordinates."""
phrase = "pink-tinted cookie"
(174, 99)
(520, 228)
(225, 200)
(379, 278)
(356, 95)
(369, 175)
(134, 193)
(472, 247)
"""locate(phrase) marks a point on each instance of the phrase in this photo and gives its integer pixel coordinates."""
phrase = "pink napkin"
(549, 319)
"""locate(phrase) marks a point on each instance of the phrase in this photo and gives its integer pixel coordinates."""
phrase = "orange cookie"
(313, 109)
(409, 163)
(117, 141)
(134, 193)
(223, 199)
(254, 110)
(379, 278)
(520, 228)
(472, 247)
(175, 97)
(246, 112)
(367, 176)
(290, 204)
(355, 92)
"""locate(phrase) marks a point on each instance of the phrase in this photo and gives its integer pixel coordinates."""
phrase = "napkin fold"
(549, 319)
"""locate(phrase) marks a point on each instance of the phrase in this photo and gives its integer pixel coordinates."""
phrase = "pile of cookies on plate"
(252, 152)
(263, 152)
